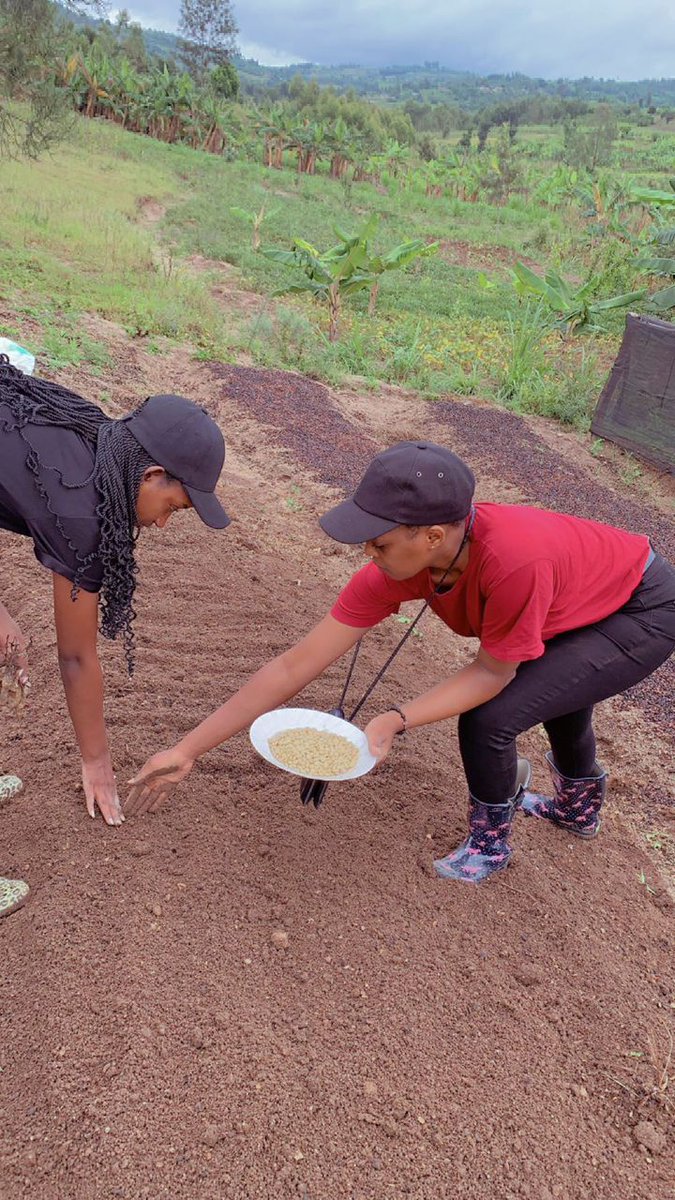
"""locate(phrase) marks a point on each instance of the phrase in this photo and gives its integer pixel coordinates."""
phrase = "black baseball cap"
(413, 483)
(181, 437)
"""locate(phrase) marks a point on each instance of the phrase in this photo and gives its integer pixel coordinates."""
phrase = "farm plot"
(238, 998)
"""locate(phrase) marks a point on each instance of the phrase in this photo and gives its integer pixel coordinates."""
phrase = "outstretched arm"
(76, 631)
(279, 680)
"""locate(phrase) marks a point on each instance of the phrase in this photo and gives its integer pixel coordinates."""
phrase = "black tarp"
(636, 408)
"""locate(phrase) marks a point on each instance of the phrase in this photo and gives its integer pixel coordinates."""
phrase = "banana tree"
(346, 268)
(339, 145)
(276, 134)
(86, 80)
(604, 204)
(124, 85)
(214, 114)
(436, 175)
(396, 157)
(465, 180)
(559, 187)
(661, 261)
(255, 220)
(573, 309)
(308, 141)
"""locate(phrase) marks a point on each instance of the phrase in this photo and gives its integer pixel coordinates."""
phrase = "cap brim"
(351, 524)
(208, 508)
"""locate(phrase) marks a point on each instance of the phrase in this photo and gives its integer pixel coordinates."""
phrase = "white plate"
(282, 719)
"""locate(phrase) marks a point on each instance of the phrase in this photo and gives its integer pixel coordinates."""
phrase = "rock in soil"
(650, 1136)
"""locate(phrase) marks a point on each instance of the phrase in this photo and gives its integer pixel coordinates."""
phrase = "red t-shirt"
(531, 575)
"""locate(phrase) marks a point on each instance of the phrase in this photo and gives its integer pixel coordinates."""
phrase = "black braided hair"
(119, 464)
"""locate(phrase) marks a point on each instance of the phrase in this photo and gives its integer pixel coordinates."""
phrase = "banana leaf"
(526, 281)
(652, 196)
(618, 301)
(664, 299)
(304, 260)
(367, 231)
(656, 266)
(300, 244)
(401, 255)
(287, 257)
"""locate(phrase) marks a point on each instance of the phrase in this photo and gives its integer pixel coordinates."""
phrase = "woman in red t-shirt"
(567, 613)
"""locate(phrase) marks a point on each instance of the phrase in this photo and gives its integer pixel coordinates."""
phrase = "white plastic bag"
(18, 357)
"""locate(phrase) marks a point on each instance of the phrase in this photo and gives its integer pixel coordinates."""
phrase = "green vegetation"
(72, 245)
(572, 308)
(76, 242)
(569, 198)
(346, 269)
(255, 219)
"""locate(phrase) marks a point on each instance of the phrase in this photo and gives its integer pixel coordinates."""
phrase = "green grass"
(72, 243)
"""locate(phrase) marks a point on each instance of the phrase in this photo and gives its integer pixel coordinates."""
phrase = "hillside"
(431, 82)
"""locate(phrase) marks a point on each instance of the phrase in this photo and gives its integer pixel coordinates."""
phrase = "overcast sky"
(615, 39)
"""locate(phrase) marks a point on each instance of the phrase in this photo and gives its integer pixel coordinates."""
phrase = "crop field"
(238, 997)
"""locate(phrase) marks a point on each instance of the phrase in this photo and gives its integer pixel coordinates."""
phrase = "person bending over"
(82, 486)
(567, 612)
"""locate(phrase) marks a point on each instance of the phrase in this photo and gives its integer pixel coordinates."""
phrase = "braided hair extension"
(119, 464)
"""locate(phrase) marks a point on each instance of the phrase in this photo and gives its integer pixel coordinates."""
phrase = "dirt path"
(414, 1039)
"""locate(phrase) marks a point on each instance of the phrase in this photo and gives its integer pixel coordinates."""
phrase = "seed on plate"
(314, 751)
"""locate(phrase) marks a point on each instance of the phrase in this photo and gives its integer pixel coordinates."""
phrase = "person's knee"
(484, 726)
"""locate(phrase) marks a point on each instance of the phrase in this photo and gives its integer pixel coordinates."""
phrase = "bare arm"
(475, 684)
(279, 680)
(76, 632)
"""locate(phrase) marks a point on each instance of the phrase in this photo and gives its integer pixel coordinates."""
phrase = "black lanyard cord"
(409, 631)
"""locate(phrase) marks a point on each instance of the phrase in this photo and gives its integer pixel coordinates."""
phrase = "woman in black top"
(82, 485)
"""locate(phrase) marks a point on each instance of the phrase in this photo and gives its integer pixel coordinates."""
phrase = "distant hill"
(428, 82)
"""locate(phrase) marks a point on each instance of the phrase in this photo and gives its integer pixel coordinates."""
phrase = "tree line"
(55, 59)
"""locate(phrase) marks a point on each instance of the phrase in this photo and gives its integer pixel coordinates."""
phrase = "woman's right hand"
(155, 781)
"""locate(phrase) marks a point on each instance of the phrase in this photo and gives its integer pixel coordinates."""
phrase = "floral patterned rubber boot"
(486, 850)
(10, 786)
(13, 893)
(575, 804)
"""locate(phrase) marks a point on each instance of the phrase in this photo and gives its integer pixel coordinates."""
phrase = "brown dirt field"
(415, 1039)
(480, 256)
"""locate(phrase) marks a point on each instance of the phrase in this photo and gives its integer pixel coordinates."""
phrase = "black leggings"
(576, 671)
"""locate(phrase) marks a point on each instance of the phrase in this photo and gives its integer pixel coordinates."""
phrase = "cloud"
(610, 38)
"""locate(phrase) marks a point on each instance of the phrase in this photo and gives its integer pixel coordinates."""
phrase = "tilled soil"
(408, 1037)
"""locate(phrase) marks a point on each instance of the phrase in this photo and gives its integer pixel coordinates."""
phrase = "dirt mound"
(150, 211)
(160, 1038)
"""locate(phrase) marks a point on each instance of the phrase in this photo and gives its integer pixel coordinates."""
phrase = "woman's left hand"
(381, 732)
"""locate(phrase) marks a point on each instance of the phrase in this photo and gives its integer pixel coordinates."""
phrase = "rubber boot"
(10, 786)
(486, 850)
(575, 804)
(13, 894)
